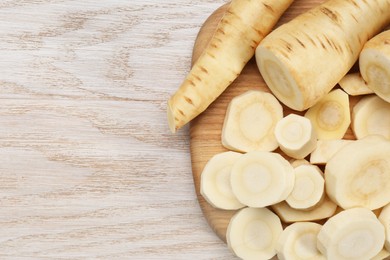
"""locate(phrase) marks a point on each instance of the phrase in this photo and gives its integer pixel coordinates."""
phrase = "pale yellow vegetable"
(250, 122)
(302, 60)
(351, 234)
(371, 116)
(253, 233)
(355, 85)
(331, 117)
(384, 218)
(382, 255)
(374, 63)
(325, 149)
(358, 174)
(243, 26)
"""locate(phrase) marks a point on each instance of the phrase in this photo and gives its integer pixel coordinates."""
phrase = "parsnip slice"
(355, 85)
(253, 233)
(371, 116)
(289, 215)
(331, 116)
(384, 218)
(308, 189)
(215, 181)
(358, 175)
(351, 234)
(325, 149)
(299, 242)
(260, 179)
(374, 63)
(382, 255)
(250, 122)
(295, 136)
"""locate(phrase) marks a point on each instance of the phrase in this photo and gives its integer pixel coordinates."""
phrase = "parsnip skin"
(374, 63)
(304, 59)
(239, 32)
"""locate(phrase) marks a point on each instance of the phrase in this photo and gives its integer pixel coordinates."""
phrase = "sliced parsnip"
(308, 189)
(215, 181)
(302, 60)
(295, 136)
(355, 85)
(384, 218)
(289, 215)
(299, 162)
(374, 64)
(358, 174)
(233, 44)
(250, 122)
(371, 116)
(331, 115)
(382, 255)
(253, 233)
(351, 234)
(260, 179)
(299, 242)
(325, 149)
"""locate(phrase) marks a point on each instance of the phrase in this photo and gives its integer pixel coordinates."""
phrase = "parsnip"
(243, 26)
(382, 255)
(299, 162)
(374, 64)
(296, 136)
(325, 149)
(289, 215)
(351, 234)
(331, 115)
(299, 242)
(302, 60)
(260, 179)
(355, 85)
(308, 189)
(250, 122)
(253, 233)
(358, 175)
(371, 116)
(215, 181)
(384, 218)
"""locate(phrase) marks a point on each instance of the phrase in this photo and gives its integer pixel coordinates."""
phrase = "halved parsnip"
(371, 116)
(215, 181)
(325, 149)
(299, 242)
(384, 218)
(295, 136)
(308, 189)
(250, 122)
(288, 215)
(358, 174)
(331, 115)
(355, 85)
(374, 64)
(253, 233)
(260, 179)
(351, 234)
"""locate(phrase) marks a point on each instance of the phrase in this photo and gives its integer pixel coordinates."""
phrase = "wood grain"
(205, 130)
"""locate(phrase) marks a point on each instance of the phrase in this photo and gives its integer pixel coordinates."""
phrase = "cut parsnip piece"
(374, 64)
(358, 175)
(243, 26)
(352, 234)
(325, 150)
(260, 179)
(253, 233)
(288, 215)
(371, 116)
(382, 255)
(299, 162)
(295, 136)
(250, 122)
(304, 59)
(384, 218)
(331, 116)
(299, 242)
(308, 189)
(355, 85)
(215, 181)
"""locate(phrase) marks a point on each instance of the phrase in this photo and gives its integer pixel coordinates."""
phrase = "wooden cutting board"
(205, 130)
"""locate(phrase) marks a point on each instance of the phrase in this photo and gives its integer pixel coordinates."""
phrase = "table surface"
(88, 167)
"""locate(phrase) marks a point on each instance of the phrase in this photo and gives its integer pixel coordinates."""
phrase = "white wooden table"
(88, 167)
